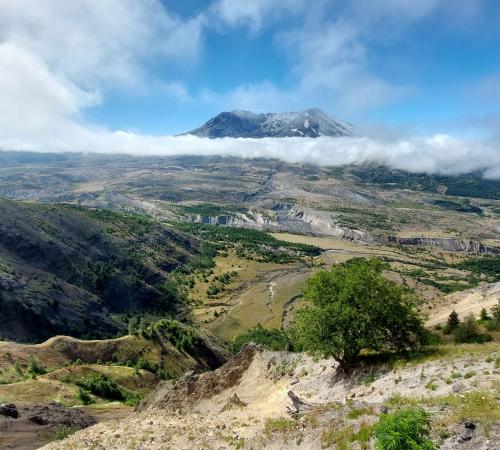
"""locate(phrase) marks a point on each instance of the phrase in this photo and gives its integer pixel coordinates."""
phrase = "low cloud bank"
(119, 45)
(437, 154)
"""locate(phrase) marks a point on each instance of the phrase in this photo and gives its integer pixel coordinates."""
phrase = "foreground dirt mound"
(181, 394)
(246, 404)
(54, 415)
(37, 424)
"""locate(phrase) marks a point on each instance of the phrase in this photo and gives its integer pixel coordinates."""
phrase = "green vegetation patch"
(104, 387)
(63, 431)
(335, 172)
(488, 265)
(209, 210)
(465, 207)
(407, 429)
(251, 244)
(183, 337)
(273, 339)
(280, 425)
(481, 406)
(469, 185)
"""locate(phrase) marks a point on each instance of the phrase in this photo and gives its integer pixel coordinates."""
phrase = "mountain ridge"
(312, 122)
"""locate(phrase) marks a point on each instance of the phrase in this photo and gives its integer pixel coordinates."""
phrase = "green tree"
(273, 339)
(132, 326)
(468, 332)
(353, 307)
(34, 367)
(483, 316)
(142, 328)
(84, 396)
(495, 312)
(452, 323)
(494, 323)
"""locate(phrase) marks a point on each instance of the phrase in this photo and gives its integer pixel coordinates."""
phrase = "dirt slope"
(244, 403)
(465, 302)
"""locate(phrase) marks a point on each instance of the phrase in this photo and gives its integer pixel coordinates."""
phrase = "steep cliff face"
(447, 244)
(250, 219)
(322, 223)
(295, 219)
(288, 219)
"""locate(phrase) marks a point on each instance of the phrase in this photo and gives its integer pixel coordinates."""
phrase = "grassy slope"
(68, 359)
(61, 351)
(52, 386)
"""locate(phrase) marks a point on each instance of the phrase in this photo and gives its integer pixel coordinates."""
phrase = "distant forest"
(469, 185)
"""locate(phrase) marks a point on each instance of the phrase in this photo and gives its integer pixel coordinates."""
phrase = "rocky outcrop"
(182, 394)
(54, 415)
(9, 410)
(294, 219)
(322, 223)
(250, 219)
(447, 244)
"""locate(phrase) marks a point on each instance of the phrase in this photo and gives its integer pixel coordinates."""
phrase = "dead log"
(299, 406)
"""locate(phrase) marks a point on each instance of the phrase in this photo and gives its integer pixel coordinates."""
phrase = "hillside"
(156, 353)
(65, 384)
(67, 269)
(466, 302)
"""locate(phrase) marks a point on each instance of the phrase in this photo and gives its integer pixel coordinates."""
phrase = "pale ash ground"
(263, 386)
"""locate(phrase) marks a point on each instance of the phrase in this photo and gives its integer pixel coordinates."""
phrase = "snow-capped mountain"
(246, 124)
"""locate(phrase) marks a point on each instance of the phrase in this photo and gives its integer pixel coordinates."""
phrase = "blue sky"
(421, 78)
(428, 64)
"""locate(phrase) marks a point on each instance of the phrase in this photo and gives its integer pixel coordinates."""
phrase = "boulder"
(9, 410)
(467, 432)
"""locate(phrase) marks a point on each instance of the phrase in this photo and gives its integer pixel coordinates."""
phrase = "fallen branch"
(299, 406)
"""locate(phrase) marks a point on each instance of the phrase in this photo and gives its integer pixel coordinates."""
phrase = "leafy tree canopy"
(353, 307)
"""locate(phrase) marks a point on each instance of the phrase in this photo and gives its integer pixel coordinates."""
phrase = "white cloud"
(440, 154)
(35, 99)
(95, 41)
(255, 13)
(329, 69)
(331, 62)
(59, 57)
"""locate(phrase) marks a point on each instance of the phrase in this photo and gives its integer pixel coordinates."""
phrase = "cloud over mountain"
(60, 59)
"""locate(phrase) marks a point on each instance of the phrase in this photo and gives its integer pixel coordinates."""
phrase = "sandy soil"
(465, 302)
(208, 422)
